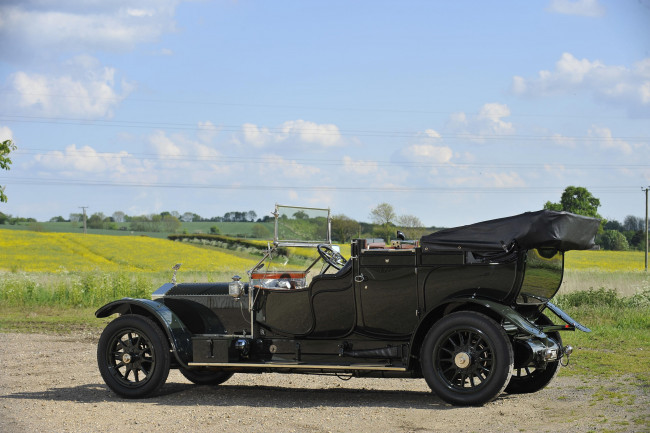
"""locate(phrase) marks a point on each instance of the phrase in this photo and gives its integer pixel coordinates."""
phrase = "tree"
(96, 221)
(383, 214)
(170, 223)
(613, 225)
(411, 226)
(301, 215)
(187, 217)
(5, 149)
(613, 240)
(632, 223)
(260, 231)
(118, 216)
(251, 215)
(343, 228)
(578, 200)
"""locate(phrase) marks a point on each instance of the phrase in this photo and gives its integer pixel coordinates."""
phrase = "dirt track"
(51, 383)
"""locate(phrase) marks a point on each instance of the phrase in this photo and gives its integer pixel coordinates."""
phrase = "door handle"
(360, 278)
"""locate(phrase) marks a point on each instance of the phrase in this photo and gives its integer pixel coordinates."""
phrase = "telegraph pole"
(646, 227)
(86, 207)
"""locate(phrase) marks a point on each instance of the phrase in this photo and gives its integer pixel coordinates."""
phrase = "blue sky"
(453, 112)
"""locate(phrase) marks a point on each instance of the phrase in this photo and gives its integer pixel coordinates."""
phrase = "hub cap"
(462, 360)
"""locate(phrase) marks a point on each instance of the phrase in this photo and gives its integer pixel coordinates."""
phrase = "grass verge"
(619, 343)
(618, 346)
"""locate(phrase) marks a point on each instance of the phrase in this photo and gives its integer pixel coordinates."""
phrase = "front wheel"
(133, 356)
(467, 358)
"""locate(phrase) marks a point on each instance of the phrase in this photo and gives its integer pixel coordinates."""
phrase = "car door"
(386, 288)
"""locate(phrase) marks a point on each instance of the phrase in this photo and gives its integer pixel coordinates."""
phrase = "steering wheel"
(331, 257)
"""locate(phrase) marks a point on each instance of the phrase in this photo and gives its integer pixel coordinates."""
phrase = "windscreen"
(302, 225)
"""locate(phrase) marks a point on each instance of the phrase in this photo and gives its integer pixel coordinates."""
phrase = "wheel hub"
(127, 358)
(462, 360)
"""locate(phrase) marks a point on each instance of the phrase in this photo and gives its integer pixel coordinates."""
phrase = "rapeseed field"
(70, 269)
(23, 251)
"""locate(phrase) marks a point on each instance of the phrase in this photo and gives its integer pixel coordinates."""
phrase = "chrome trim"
(297, 366)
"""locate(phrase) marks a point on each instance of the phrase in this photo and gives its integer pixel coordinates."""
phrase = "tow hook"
(568, 350)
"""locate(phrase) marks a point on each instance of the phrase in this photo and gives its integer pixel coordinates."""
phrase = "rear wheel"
(133, 356)
(528, 379)
(205, 376)
(466, 358)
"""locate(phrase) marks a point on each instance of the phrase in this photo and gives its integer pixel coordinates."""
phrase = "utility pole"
(84, 209)
(646, 226)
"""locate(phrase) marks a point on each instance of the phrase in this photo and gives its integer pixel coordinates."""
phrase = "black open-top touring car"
(466, 308)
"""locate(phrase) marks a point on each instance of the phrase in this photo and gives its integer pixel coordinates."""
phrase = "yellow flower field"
(605, 261)
(54, 252)
(59, 252)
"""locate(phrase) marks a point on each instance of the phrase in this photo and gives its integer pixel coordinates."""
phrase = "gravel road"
(51, 383)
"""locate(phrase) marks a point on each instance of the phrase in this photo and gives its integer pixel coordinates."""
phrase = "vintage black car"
(466, 308)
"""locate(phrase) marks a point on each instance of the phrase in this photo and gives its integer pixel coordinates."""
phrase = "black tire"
(133, 356)
(467, 358)
(206, 377)
(528, 379)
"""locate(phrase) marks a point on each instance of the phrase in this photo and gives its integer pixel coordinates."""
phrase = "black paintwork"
(375, 310)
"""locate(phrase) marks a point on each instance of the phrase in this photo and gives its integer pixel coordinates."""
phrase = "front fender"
(179, 336)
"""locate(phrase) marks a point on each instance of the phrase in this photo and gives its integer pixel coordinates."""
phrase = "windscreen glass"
(305, 225)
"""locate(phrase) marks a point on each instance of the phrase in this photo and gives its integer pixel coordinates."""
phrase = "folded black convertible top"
(542, 229)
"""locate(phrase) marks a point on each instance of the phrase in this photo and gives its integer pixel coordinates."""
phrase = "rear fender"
(179, 336)
(509, 314)
(493, 309)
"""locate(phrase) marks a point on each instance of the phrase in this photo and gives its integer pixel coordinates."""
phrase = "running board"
(296, 366)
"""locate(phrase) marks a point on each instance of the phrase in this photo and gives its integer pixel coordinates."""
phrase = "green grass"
(617, 347)
(238, 229)
(48, 320)
(619, 343)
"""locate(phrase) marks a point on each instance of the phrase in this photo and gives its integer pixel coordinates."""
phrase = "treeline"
(8, 219)
(169, 222)
(629, 235)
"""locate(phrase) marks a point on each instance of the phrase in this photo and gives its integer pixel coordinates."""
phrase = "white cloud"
(88, 91)
(6, 133)
(488, 122)
(490, 116)
(277, 167)
(255, 135)
(207, 131)
(84, 160)
(301, 131)
(359, 167)
(607, 141)
(40, 29)
(181, 151)
(428, 153)
(615, 84)
(431, 133)
(309, 132)
(490, 180)
(564, 141)
(164, 146)
(585, 8)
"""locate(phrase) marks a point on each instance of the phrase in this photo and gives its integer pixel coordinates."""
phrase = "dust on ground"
(51, 383)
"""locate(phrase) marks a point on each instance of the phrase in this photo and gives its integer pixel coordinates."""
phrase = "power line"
(293, 107)
(69, 154)
(318, 131)
(439, 189)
